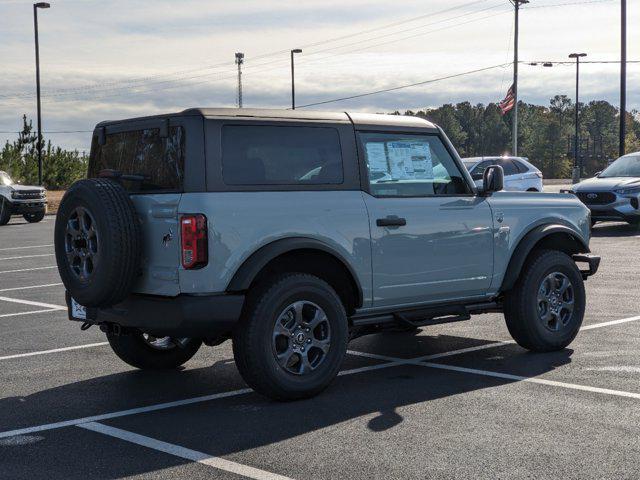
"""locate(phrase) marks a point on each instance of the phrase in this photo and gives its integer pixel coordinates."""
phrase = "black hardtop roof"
(359, 119)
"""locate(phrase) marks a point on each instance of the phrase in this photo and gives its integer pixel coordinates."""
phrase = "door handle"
(391, 221)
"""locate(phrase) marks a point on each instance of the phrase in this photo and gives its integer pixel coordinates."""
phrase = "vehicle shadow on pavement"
(379, 392)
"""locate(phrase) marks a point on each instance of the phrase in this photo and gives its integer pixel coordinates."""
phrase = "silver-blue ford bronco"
(293, 232)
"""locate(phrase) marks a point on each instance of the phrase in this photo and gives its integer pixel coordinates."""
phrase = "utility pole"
(514, 142)
(623, 74)
(577, 166)
(293, 80)
(36, 6)
(239, 62)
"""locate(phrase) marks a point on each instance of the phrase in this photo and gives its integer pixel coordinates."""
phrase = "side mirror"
(493, 179)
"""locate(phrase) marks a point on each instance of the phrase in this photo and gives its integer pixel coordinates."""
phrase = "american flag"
(507, 103)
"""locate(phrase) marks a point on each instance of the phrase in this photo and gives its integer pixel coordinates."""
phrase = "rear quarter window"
(159, 160)
(274, 155)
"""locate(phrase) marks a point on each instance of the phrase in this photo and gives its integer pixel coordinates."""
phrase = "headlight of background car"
(628, 191)
(14, 194)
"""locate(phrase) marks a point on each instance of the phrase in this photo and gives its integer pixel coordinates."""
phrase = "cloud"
(93, 47)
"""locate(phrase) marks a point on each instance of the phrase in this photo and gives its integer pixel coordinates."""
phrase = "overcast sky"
(112, 59)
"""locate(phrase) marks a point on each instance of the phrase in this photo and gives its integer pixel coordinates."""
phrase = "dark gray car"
(614, 193)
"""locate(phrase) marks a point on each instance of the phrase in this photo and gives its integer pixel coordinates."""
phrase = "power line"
(391, 89)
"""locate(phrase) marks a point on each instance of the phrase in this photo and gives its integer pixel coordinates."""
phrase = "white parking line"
(55, 350)
(29, 269)
(30, 287)
(4, 315)
(22, 248)
(392, 362)
(27, 256)
(182, 452)
(34, 304)
(612, 322)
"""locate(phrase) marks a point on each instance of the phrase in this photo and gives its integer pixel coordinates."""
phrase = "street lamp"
(36, 6)
(293, 81)
(576, 167)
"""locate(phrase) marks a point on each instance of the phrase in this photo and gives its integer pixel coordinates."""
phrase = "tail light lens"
(195, 250)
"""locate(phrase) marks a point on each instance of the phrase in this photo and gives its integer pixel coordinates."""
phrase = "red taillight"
(195, 252)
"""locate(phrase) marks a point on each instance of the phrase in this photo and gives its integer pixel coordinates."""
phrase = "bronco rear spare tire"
(98, 242)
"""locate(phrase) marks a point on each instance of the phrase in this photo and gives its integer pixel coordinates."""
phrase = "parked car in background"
(614, 193)
(25, 200)
(519, 174)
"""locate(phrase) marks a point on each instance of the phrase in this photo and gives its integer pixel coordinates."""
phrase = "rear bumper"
(199, 316)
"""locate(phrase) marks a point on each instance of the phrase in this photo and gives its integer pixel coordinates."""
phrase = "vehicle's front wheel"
(147, 352)
(34, 217)
(5, 211)
(544, 310)
(292, 338)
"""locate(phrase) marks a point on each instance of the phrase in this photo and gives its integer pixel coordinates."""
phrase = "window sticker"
(421, 160)
(377, 157)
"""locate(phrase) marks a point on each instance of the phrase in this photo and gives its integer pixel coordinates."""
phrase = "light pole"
(516, 4)
(577, 170)
(36, 6)
(293, 80)
(623, 74)
(239, 62)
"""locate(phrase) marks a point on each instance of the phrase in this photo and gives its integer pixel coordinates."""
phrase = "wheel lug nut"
(302, 349)
(308, 340)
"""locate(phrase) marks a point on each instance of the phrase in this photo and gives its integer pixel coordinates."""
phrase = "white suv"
(25, 200)
(519, 174)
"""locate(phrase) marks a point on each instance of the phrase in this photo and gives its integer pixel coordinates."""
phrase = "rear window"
(268, 155)
(159, 161)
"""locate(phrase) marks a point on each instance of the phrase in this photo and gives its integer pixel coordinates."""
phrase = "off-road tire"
(34, 217)
(119, 242)
(5, 211)
(252, 340)
(521, 303)
(134, 350)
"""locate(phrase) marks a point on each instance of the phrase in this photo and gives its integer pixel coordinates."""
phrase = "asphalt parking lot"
(453, 401)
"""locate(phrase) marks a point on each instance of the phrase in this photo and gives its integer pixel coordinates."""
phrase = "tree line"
(545, 136)
(60, 167)
(545, 133)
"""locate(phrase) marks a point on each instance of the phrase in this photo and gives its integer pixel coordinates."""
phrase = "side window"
(271, 155)
(522, 168)
(410, 166)
(508, 166)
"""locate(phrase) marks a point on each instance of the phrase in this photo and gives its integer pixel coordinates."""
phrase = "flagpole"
(516, 4)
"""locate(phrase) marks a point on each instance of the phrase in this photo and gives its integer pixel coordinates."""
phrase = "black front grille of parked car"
(596, 198)
(28, 194)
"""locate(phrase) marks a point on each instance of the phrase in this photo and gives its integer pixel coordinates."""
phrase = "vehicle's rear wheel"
(292, 338)
(33, 217)
(5, 211)
(98, 242)
(544, 310)
(147, 352)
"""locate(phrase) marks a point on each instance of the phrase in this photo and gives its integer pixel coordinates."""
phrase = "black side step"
(428, 316)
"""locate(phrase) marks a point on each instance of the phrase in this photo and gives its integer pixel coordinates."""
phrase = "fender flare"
(528, 242)
(252, 266)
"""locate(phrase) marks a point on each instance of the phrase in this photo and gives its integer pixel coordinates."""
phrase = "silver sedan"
(614, 193)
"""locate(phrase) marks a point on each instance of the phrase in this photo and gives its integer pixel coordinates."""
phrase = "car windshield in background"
(627, 166)
(469, 165)
(159, 161)
(5, 179)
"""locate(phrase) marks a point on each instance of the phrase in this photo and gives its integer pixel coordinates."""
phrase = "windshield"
(5, 179)
(627, 166)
